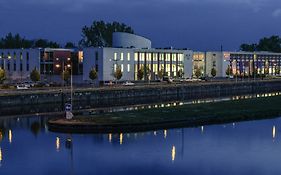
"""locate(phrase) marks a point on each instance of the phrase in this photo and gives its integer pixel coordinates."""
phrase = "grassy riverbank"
(195, 114)
(248, 108)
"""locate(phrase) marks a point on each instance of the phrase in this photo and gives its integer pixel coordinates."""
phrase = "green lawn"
(241, 109)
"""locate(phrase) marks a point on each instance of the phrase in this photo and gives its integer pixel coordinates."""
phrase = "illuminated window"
(122, 56)
(122, 67)
(115, 56)
(128, 67)
(128, 56)
(148, 57)
(155, 57)
(136, 56)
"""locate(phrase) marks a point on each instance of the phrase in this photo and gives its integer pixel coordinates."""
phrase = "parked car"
(22, 86)
(108, 83)
(186, 80)
(30, 83)
(42, 84)
(128, 83)
(168, 79)
(196, 79)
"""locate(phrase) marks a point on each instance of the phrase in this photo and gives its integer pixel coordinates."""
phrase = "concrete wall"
(188, 62)
(135, 95)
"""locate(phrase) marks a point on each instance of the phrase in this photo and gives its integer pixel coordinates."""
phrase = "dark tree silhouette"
(100, 33)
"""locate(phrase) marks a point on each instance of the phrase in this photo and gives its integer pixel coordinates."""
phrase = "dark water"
(27, 147)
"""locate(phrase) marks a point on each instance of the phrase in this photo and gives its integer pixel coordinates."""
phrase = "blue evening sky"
(196, 24)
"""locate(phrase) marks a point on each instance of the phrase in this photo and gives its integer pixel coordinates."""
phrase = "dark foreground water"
(26, 147)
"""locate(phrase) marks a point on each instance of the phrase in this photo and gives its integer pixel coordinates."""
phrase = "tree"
(228, 71)
(117, 74)
(66, 76)
(2, 75)
(198, 73)
(35, 75)
(35, 128)
(266, 71)
(99, 34)
(277, 70)
(140, 73)
(161, 74)
(180, 73)
(248, 47)
(11, 41)
(213, 72)
(70, 45)
(271, 44)
(93, 74)
(45, 43)
(147, 73)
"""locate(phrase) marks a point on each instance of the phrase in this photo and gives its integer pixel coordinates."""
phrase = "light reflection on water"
(181, 103)
(27, 147)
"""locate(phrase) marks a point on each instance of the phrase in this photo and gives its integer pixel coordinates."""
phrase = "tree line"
(98, 34)
(271, 44)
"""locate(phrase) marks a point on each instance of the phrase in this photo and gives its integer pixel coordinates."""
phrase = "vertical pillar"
(177, 63)
(164, 63)
(171, 65)
(151, 65)
(145, 62)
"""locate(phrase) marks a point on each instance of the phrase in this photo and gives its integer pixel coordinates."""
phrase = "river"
(252, 147)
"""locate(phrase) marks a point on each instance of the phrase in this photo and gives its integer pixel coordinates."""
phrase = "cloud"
(276, 13)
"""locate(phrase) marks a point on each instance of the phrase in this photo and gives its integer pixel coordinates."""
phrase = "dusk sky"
(196, 24)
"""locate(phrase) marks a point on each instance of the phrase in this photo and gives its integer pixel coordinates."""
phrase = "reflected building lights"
(10, 135)
(110, 137)
(1, 158)
(57, 143)
(202, 129)
(121, 139)
(173, 153)
(165, 134)
(155, 133)
(1, 136)
(273, 132)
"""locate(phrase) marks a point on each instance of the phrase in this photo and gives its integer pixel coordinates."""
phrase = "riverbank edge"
(138, 95)
(210, 118)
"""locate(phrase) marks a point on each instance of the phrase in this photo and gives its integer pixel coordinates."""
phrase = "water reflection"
(1, 158)
(273, 132)
(173, 153)
(165, 134)
(241, 144)
(10, 136)
(1, 136)
(202, 129)
(121, 139)
(58, 144)
(109, 138)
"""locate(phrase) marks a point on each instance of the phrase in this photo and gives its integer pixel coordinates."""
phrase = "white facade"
(127, 40)
(18, 63)
(132, 59)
